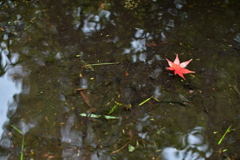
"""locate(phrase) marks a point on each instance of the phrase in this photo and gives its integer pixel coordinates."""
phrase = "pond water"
(87, 80)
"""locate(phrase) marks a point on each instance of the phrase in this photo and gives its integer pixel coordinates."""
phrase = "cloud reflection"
(195, 146)
(70, 138)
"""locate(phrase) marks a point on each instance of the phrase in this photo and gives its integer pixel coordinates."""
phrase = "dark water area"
(87, 80)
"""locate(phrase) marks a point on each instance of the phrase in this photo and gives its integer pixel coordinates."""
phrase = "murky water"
(135, 107)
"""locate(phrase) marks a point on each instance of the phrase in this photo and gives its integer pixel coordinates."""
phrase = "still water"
(88, 80)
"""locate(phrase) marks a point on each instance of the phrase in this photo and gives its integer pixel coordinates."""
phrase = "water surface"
(46, 84)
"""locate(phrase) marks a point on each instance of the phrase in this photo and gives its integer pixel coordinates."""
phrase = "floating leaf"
(17, 129)
(179, 68)
(228, 130)
(22, 146)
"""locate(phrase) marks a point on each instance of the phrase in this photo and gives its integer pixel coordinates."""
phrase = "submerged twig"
(125, 145)
(173, 101)
(162, 101)
(148, 99)
(99, 64)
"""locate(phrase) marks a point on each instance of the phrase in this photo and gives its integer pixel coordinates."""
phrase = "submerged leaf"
(98, 116)
(113, 109)
(131, 148)
(183, 98)
(90, 115)
(155, 73)
(85, 98)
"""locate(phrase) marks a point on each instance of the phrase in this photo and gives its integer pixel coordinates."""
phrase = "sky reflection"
(10, 85)
(8, 90)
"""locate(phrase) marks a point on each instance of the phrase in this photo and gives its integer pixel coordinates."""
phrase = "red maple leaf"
(179, 68)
